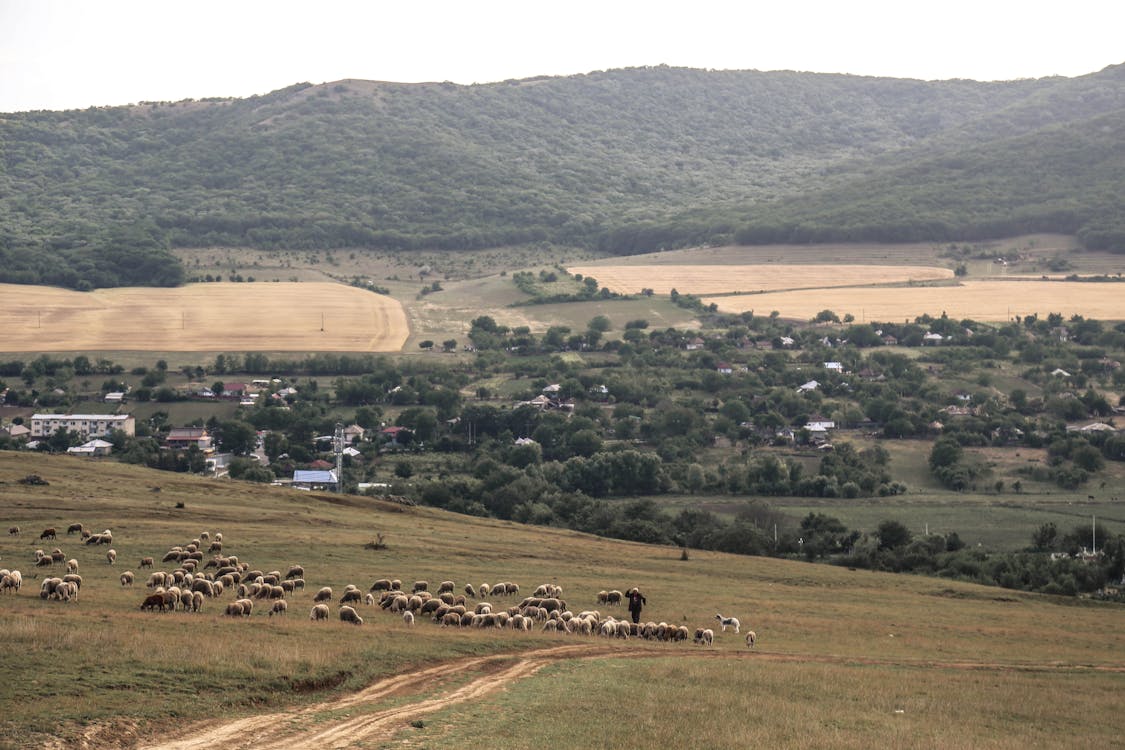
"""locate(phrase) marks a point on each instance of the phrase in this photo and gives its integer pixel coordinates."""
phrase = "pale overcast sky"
(65, 54)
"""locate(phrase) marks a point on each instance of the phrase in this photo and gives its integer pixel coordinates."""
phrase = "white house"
(93, 447)
(86, 425)
(812, 385)
(834, 366)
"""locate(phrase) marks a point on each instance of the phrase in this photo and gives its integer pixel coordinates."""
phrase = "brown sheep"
(152, 601)
(73, 528)
(146, 562)
(47, 534)
(14, 530)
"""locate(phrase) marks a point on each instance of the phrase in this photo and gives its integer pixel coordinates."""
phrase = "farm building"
(86, 425)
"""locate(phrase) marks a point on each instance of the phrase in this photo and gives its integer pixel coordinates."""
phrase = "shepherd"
(636, 602)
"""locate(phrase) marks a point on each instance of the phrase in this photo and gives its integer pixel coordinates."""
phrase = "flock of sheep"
(200, 571)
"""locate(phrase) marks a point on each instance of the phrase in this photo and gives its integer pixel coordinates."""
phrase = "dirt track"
(365, 715)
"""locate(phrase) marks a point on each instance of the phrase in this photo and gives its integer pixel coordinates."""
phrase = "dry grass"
(979, 300)
(201, 317)
(724, 279)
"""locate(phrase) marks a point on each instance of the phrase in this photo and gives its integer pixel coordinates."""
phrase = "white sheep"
(127, 578)
(706, 636)
(732, 621)
(348, 614)
(751, 638)
(324, 595)
(319, 612)
(111, 556)
(408, 618)
(72, 566)
(279, 607)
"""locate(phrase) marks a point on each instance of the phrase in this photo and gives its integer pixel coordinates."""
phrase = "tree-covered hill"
(624, 161)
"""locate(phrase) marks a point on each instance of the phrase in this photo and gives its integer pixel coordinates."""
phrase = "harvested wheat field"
(201, 317)
(716, 279)
(979, 300)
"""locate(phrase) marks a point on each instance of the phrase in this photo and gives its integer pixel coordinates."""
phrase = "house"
(834, 366)
(93, 447)
(353, 432)
(234, 390)
(694, 344)
(724, 368)
(114, 397)
(185, 437)
(86, 425)
(1059, 372)
(397, 435)
(15, 432)
(315, 479)
(932, 338)
(890, 340)
(787, 342)
(812, 385)
(818, 423)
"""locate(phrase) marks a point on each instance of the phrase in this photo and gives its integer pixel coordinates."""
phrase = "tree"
(599, 323)
(893, 534)
(427, 344)
(946, 452)
(238, 437)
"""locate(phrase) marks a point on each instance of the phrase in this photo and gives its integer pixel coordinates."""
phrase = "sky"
(68, 54)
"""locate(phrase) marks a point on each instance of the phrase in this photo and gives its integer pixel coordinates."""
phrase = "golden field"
(317, 316)
(979, 300)
(726, 279)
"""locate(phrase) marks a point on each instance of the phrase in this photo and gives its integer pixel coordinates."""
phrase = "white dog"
(724, 621)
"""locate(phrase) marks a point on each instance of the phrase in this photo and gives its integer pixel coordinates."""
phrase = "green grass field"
(844, 658)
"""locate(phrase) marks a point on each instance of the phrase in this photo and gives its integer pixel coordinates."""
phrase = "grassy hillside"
(844, 658)
(623, 161)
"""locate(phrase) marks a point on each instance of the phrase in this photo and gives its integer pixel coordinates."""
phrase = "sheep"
(111, 556)
(295, 571)
(196, 601)
(73, 528)
(420, 586)
(279, 607)
(127, 578)
(383, 584)
(247, 606)
(48, 533)
(234, 609)
(14, 530)
(706, 636)
(319, 612)
(215, 547)
(348, 614)
(152, 601)
(72, 566)
(470, 591)
(732, 621)
(484, 589)
(751, 638)
(65, 592)
(57, 555)
(445, 586)
(408, 618)
(324, 595)
(44, 562)
(16, 579)
(351, 595)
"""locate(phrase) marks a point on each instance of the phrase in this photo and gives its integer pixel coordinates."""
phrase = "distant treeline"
(620, 161)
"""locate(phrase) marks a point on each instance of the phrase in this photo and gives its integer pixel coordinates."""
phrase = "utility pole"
(339, 445)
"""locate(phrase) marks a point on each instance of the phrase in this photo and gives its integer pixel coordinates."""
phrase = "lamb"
(348, 614)
(111, 556)
(279, 607)
(751, 638)
(706, 636)
(732, 621)
(127, 578)
(319, 612)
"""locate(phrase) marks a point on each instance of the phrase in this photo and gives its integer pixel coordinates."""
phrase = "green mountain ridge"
(621, 161)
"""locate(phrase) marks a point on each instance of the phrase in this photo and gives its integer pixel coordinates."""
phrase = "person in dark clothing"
(636, 601)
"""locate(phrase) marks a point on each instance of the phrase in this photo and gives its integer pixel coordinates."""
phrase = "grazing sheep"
(706, 636)
(57, 555)
(445, 586)
(127, 578)
(44, 562)
(324, 595)
(348, 614)
(470, 591)
(111, 556)
(383, 584)
(319, 612)
(14, 530)
(369, 600)
(72, 566)
(279, 607)
(351, 595)
(196, 601)
(419, 586)
(234, 609)
(47, 534)
(247, 606)
(484, 589)
(73, 528)
(751, 638)
(215, 547)
(408, 618)
(152, 601)
(732, 621)
(295, 571)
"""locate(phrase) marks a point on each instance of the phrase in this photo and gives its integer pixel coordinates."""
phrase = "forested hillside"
(622, 161)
